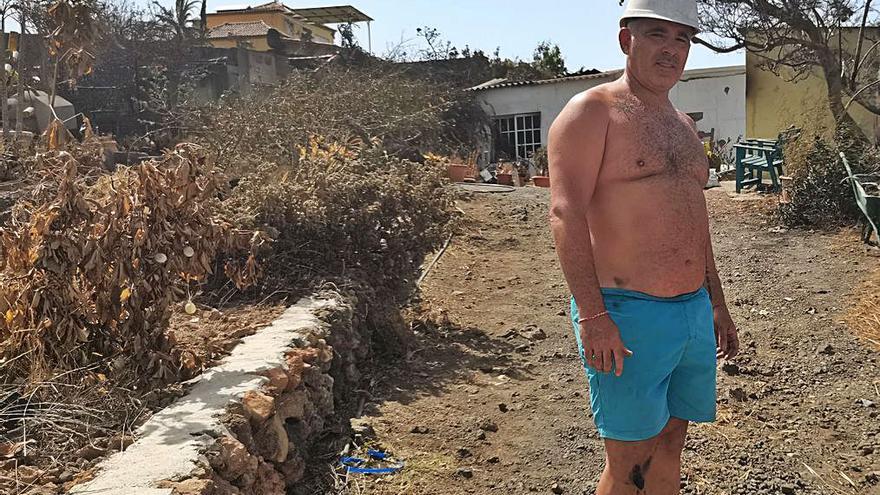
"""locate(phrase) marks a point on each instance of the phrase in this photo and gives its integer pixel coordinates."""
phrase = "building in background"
(775, 101)
(522, 111)
(249, 27)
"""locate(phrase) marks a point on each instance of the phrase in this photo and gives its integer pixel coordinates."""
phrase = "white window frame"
(519, 125)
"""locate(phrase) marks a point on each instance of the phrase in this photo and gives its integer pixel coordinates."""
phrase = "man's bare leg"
(649, 467)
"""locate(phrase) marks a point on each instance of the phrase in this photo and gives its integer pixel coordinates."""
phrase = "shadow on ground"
(447, 355)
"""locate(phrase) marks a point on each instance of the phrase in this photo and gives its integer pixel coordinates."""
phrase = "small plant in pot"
(455, 171)
(504, 170)
(542, 167)
(505, 174)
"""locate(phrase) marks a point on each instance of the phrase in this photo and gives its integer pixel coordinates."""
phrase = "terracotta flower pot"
(457, 172)
(541, 180)
(505, 178)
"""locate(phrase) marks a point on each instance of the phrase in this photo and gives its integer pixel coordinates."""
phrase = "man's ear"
(625, 39)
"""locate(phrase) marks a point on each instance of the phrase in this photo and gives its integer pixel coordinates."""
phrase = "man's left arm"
(725, 331)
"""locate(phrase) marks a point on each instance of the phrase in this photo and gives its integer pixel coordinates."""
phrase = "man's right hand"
(603, 348)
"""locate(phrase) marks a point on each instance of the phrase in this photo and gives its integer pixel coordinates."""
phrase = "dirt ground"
(486, 405)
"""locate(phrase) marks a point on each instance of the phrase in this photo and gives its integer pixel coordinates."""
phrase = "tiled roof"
(688, 75)
(265, 7)
(276, 6)
(270, 7)
(239, 29)
(504, 83)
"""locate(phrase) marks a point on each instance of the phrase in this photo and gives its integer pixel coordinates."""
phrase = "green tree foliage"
(548, 59)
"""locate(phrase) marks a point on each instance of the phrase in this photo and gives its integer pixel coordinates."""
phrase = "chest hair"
(661, 139)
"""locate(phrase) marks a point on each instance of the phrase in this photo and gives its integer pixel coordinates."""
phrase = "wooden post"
(19, 106)
(4, 89)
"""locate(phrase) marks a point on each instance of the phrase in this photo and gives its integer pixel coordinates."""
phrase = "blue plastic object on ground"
(355, 464)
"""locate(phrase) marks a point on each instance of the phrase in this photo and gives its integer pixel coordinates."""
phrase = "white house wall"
(548, 99)
(721, 99)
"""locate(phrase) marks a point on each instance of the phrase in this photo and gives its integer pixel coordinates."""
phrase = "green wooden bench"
(761, 141)
(753, 158)
(756, 156)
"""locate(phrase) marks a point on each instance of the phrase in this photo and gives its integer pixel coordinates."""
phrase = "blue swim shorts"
(671, 372)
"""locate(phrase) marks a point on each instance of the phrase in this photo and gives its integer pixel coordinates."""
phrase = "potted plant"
(542, 167)
(504, 174)
(505, 178)
(455, 171)
(459, 169)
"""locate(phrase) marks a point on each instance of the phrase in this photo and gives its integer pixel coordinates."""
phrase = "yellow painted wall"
(773, 103)
(322, 34)
(282, 22)
(257, 43)
(223, 43)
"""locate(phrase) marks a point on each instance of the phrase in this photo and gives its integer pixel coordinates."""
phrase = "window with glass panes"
(517, 136)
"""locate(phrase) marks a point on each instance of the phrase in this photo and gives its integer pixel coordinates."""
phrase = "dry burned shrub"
(348, 212)
(90, 274)
(41, 175)
(820, 193)
(362, 214)
(409, 115)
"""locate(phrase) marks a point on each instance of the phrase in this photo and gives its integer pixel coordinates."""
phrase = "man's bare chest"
(642, 147)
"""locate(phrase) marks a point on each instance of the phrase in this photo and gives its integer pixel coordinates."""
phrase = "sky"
(585, 30)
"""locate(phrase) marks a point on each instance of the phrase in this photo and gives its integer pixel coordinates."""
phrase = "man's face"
(657, 51)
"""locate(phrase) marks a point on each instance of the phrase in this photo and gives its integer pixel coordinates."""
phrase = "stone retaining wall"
(262, 410)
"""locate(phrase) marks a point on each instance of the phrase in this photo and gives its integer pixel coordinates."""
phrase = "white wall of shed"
(722, 101)
(725, 111)
(548, 99)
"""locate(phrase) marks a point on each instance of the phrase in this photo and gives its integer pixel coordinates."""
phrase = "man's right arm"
(575, 150)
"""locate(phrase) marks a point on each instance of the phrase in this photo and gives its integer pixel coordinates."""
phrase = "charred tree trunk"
(4, 88)
(844, 124)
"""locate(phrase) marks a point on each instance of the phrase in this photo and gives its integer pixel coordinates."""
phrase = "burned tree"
(835, 39)
(182, 36)
(5, 10)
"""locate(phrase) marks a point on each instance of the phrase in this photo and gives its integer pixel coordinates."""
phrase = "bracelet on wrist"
(591, 318)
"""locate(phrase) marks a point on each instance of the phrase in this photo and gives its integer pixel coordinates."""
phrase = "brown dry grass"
(864, 316)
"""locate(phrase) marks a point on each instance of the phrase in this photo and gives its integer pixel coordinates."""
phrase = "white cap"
(678, 11)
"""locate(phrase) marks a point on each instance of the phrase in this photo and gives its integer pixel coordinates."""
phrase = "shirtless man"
(632, 234)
